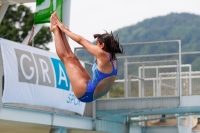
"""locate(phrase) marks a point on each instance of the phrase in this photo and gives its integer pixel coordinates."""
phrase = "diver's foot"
(54, 28)
(53, 22)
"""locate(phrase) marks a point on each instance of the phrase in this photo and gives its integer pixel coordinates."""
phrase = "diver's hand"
(61, 26)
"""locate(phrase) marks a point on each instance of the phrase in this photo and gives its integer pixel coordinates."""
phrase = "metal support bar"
(160, 87)
(145, 62)
(108, 95)
(143, 76)
(129, 86)
(139, 91)
(156, 55)
(94, 109)
(157, 82)
(179, 63)
(154, 88)
(172, 87)
(126, 78)
(190, 81)
(167, 117)
(135, 77)
(153, 42)
(167, 66)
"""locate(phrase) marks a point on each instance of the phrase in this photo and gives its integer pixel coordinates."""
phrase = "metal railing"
(138, 61)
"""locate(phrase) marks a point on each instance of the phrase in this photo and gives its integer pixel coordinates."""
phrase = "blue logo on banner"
(62, 80)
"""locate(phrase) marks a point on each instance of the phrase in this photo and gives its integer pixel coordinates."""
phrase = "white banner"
(37, 77)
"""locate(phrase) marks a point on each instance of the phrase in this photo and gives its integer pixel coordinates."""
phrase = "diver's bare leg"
(87, 76)
(75, 74)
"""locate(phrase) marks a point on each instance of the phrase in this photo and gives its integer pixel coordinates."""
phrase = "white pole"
(126, 78)
(190, 81)
(36, 30)
(180, 80)
(66, 12)
(3, 9)
(140, 94)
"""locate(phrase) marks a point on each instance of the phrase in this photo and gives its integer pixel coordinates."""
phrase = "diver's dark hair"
(111, 43)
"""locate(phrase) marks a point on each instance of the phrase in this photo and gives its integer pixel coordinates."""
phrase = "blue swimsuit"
(96, 78)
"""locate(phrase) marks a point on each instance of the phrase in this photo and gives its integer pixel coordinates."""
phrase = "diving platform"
(147, 106)
(115, 111)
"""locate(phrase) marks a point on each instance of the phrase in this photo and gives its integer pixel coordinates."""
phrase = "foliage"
(170, 27)
(117, 92)
(17, 23)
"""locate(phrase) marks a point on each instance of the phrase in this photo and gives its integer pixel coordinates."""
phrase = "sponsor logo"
(41, 70)
(73, 100)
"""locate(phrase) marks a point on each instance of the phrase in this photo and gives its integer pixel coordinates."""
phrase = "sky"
(88, 17)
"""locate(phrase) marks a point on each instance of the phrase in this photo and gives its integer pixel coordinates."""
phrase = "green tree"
(17, 23)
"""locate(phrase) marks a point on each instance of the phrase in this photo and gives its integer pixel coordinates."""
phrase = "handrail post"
(180, 80)
(126, 78)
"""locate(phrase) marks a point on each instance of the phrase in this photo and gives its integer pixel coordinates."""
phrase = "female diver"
(85, 88)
